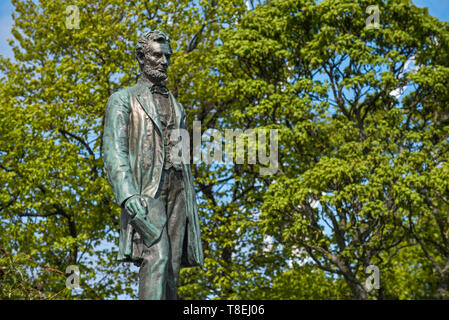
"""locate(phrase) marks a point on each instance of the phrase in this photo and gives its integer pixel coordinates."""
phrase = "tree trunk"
(443, 286)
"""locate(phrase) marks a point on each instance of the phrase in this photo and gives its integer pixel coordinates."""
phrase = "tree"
(56, 204)
(362, 173)
(361, 163)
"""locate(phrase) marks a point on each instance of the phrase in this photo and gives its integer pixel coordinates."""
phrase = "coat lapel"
(179, 113)
(146, 100)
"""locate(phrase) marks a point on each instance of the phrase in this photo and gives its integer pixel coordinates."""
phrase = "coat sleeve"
(115, 146)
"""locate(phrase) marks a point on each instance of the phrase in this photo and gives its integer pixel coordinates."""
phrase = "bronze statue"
(159, 225)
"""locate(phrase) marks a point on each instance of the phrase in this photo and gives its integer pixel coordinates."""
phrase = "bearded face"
(156, 61)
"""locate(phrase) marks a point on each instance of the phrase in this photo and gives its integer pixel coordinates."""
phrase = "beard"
(154, 75)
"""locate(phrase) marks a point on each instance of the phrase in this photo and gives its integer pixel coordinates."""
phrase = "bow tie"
(159, 88)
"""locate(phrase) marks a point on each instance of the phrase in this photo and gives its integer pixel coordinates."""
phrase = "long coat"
(134, 151)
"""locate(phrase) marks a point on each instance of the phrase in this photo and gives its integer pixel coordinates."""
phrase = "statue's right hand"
(134, 206)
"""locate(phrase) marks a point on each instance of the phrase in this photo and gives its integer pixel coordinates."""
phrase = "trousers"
(161, 263)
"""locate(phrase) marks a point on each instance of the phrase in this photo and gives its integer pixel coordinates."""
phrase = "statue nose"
(164, 62)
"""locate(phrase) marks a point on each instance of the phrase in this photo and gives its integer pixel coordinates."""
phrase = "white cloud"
(409, 66)
(268, 243)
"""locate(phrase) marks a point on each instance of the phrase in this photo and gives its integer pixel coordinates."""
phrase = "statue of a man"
(159, 225)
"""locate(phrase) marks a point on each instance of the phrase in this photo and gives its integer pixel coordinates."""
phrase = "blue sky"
(6, 9)
(437, 8)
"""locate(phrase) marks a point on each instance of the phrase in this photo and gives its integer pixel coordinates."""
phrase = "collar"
(159, 88)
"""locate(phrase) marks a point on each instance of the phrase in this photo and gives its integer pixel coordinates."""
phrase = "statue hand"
(134, 206)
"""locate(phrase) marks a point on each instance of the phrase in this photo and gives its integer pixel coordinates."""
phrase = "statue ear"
(140, 58)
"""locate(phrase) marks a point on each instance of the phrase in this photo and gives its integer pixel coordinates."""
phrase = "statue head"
(153, 54)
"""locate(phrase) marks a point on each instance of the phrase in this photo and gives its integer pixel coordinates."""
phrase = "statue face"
(156, 61)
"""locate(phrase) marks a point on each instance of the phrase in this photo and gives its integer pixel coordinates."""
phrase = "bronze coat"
(134, 156)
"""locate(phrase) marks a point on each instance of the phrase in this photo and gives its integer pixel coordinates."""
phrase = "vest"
(167, 117)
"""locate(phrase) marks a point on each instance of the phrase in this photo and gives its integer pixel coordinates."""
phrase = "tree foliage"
(363, 146)
(374, 158)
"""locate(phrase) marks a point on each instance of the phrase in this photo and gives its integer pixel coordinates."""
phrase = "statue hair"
(147, 38)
